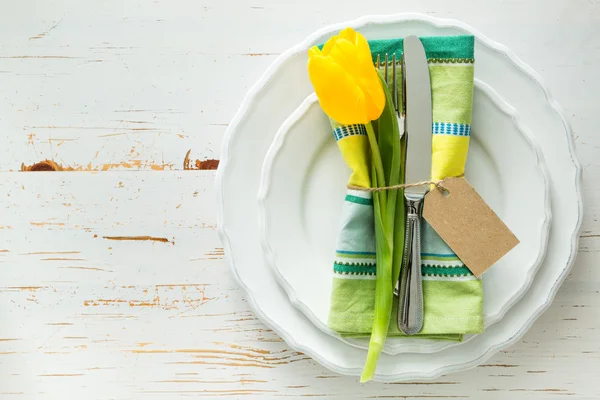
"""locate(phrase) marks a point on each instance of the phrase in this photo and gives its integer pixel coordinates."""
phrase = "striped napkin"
(453, 296)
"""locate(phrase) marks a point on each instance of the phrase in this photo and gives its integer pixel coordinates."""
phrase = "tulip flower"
(348, 86)
(351, 91)
(345, 79)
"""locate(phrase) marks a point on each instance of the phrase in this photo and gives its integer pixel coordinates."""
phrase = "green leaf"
(389, 147)
(399, 218)
(383, 290)
(389, 225)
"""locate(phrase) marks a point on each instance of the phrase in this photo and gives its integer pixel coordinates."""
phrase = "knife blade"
(417, 126)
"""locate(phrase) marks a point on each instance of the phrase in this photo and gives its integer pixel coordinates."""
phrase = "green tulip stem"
(389, 224)
(379, 175)
(383, 291)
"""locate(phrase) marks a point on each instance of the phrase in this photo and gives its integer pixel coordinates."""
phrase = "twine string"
(438, 184)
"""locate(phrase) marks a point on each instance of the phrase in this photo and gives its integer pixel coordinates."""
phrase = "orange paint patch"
(134, 164)
(216, 254)
(186, 160)
(209, 164)
(132, 303)
(259, 54)
(60, 141)
(139, 238)
(25, 288)
(252, 349)
(167, 297)
(231, 356)
(46, 165)
(52, 252)
(222, 363)
(44, 57)
(49, 165)
(46, 223)
(230, 392)
(90, 269)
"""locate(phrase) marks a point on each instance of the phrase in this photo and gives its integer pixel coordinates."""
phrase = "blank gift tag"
(468, 225)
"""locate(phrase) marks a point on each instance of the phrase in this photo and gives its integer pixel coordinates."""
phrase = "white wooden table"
(112, 280)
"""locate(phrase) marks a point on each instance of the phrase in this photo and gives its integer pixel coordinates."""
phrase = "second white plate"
(279, 92)
(303, 187)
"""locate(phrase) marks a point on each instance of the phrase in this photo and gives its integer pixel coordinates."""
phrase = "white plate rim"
(411, 345)
(252, 94)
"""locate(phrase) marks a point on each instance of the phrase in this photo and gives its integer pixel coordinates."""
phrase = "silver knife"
(417, 126)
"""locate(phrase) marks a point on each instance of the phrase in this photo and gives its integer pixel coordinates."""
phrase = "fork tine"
(394, 85)
(378, 61)
(386, 69)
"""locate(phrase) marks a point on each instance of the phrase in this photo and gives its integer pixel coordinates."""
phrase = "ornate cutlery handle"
(410, 306)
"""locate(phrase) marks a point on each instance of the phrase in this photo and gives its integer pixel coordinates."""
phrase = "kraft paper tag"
(468, 225)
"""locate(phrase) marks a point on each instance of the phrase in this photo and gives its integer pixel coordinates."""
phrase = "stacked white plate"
(281, 182)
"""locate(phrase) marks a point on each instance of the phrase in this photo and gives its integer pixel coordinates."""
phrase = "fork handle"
(410, 297)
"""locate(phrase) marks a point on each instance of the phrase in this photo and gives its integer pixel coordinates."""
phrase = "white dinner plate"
(269, 102)
(304, 183)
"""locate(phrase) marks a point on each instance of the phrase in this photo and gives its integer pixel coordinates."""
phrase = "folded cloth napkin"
(452, 295)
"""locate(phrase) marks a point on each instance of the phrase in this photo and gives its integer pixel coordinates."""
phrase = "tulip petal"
(363, 52)
(339, 96)
(328, 45)
(370, 83)
(349, 34)
(344, 54)
(375, 100)
(314, 52)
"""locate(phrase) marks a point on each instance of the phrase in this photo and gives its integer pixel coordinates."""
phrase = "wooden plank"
(108, 86)
(84, 315)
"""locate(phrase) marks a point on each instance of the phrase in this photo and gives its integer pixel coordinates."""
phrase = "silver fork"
(399, 109)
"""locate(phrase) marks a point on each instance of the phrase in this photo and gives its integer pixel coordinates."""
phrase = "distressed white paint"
(133, 86)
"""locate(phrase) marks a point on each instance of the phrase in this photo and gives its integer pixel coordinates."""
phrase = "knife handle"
(410, 297)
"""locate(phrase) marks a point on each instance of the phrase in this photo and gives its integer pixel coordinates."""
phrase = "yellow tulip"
(345, 79)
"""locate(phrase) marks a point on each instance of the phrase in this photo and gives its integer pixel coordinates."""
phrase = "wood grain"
(112, 280)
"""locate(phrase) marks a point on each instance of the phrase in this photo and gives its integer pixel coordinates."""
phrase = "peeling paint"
(24, 288)
(45, 165)
(139, 238)
(42, 57)
(184, 297)
(207, 164)
(259, 54)
(51, 252)
(49, 165)
(89, 269)
(46, 223)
